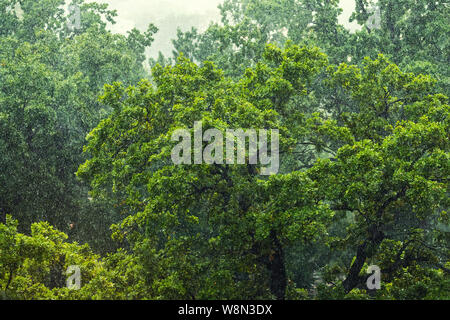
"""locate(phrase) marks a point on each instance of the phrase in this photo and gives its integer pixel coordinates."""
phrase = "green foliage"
(33, 267)
(364, 154)
(181, 210)
(50, 78)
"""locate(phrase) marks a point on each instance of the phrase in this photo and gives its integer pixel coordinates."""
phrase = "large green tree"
(50, 78)
(220, 231)
(392, 174)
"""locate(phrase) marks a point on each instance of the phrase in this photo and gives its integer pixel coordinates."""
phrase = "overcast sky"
(167, 15)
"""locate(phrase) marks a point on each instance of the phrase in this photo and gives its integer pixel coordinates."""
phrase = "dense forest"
(86, 137)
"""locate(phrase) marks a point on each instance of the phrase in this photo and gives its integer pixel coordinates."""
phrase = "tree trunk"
(278, 278)
(354, 279)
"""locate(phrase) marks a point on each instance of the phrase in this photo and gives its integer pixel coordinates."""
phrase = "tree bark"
(354, 279)
(278, 278)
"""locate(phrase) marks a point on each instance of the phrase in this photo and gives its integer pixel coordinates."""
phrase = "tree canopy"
(86, 139)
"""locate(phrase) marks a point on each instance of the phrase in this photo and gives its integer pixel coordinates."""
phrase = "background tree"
(50, 77)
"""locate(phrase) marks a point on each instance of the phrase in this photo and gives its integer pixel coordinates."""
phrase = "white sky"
(167, 15)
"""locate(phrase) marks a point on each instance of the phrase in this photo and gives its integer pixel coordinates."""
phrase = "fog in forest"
(168, 15)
